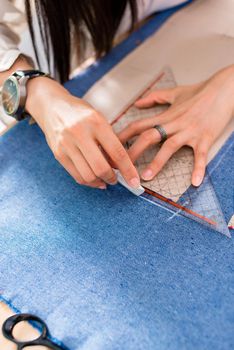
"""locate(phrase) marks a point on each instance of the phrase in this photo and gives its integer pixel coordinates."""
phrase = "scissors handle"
(46, 343)
(43, 338)
(43, 342)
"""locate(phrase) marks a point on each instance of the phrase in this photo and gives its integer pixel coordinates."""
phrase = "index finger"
(117, 153)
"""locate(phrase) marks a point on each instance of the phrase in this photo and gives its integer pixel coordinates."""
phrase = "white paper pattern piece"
(137, 191)
(175, 178)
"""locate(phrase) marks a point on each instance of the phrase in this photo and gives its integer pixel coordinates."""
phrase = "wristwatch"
(14, 92)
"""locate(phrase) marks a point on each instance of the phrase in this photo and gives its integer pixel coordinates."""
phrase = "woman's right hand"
(78, 135)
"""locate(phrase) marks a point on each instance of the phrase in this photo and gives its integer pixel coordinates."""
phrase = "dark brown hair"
(59, 19)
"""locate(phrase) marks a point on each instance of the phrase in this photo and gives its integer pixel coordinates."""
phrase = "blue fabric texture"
(105, 269)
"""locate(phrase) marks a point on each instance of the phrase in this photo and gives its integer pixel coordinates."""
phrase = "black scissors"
(43, 339)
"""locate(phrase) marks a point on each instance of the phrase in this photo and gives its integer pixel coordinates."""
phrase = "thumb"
(157, 96)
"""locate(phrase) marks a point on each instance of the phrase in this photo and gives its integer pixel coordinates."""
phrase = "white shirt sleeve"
(145, 9)
(10, 18)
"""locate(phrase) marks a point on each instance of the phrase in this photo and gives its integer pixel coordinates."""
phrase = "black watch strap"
(30, 73)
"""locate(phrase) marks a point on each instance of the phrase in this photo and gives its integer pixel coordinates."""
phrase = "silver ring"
(162, 132)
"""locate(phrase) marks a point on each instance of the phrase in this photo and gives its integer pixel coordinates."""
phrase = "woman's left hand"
(197, 116)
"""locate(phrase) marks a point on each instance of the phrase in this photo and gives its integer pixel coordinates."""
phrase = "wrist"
(22, 63)
(40, 92)
(229, 76)
(226, 77)
(223, 82)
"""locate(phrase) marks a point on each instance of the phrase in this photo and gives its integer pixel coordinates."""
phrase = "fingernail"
(197, 180)
(135, 182)
(147, 174)
(102, 187)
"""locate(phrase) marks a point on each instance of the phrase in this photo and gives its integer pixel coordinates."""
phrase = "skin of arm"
(80, 137)
(197, 116)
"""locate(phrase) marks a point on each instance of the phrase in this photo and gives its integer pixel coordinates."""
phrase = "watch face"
(10, 96)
